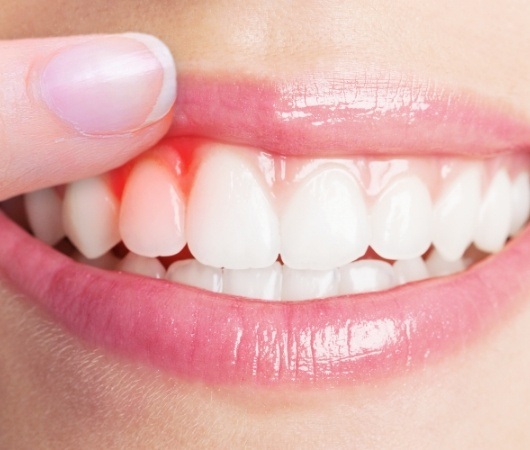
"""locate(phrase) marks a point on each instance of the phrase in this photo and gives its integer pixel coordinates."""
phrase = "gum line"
(204, 194)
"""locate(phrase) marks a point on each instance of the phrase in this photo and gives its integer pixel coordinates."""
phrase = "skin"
(56, 392)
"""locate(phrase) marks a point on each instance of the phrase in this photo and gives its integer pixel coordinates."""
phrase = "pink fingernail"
(111, 84)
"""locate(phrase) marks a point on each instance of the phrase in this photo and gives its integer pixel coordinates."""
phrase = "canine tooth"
(439, 267)
(142, 265)
(44, 213)
(231, 222)
(90, 216)
(402, 220)
(308, 284)
(367, 275)
(325, 223)
(152, 211)
(265, 284)
(455, 214)
(495, 214)
(193, 273)
(520, 202)
(407, 270)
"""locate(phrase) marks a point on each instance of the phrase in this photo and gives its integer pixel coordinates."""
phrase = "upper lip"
(365, 113)
(219, 338)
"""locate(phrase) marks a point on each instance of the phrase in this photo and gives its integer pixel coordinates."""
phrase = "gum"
(281, 174)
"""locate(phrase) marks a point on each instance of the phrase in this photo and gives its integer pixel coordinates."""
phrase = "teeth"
(494, 216)
(402, 220)
(141, 265)
(305, 284)
(520, 202)
(325, 224)
(367, 275)
(408, 270)
(44, 213)
(107, 261)
(439, 267)
(193, 273)
(90, 216)
(455, 215)
(239, 210)
(231, 222)
(265, 284)
(152, 211)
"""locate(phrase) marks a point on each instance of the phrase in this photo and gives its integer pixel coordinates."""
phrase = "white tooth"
(402, 220)
(439, 267)
(520, 202)
(264, 283)
(325, 223)
(108, 261)
(141, 265)
(308, 284)
(366, 275)
(495, 214)
(152, 211)
(231, 222)
(193, 273)
(455, 214)
(90, 216)
(408, 270)
(44, 212)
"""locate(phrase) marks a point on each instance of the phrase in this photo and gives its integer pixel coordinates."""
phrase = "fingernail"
(111, 84)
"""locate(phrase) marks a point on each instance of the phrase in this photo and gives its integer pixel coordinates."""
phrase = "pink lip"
(365, 113)
(222, 339)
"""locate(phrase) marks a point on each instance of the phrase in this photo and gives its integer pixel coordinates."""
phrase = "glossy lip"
(217, 338)
(348, 114)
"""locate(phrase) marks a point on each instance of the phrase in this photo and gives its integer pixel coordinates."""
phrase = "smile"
(319, 231)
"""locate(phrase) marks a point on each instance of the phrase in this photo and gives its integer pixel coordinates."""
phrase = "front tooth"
(44, 213)
(90, 216)
(141, 265)
(366, 275)
(520, 202)
(408, 270)
(152, 211)
(308, 284)
(193, 273)
(495, 214)
(231, 222)
(325, 223)
(439, 267)
(455, 215)
(402, 220)
(264, 283)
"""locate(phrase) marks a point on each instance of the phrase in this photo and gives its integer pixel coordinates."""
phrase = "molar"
(44, 213)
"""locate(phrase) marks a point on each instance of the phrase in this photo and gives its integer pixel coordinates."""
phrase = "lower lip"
(199, 335)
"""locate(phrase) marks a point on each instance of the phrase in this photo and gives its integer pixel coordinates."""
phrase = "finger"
(77, 106)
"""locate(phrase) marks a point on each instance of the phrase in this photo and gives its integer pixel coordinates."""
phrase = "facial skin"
(57, 392)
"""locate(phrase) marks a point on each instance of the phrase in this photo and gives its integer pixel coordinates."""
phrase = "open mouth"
(324, 232)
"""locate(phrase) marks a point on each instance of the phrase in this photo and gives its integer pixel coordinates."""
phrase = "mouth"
(318, 231)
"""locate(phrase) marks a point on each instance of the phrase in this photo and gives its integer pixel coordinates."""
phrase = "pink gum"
(282, 173)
